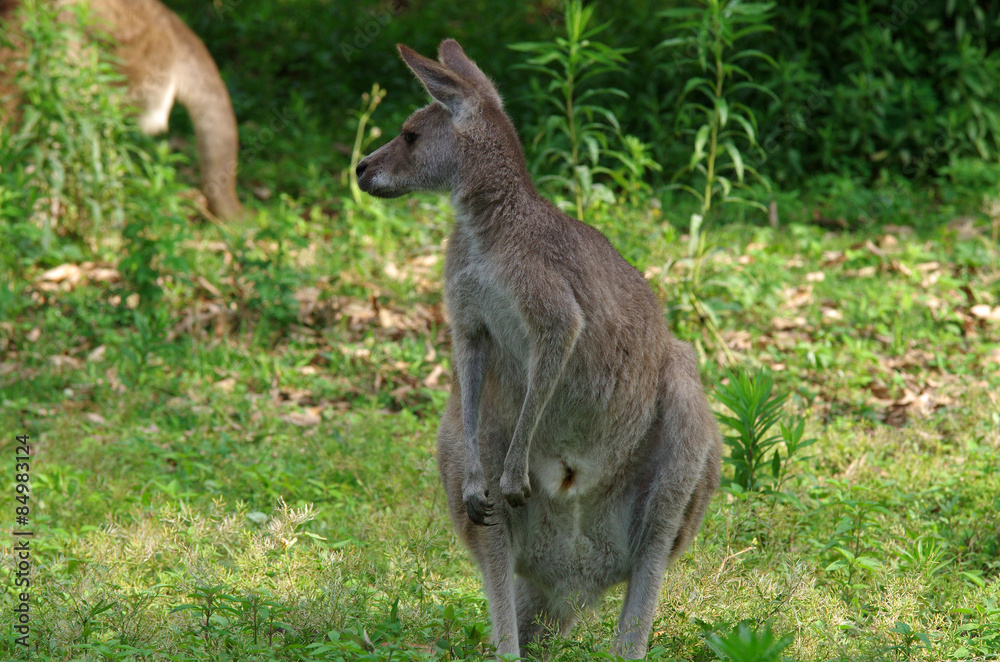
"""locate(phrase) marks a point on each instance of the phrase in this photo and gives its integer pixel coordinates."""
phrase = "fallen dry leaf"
(788, 339)
(896, 265)
(67, 276)
(204, 284)
(64, 272)
(212, 315)
(904, 231)
(306, 418)
(434, 377)
(103, 275)
(225, 385)
(782, 324)
(796, 297)
(295, 396)
(912, 358)
(965, 228)
(888, 243)
(832, 258)
(358, 313)
(738, 341)
(873, 249)
(62, 361)
(914, 404)
(985, 312)
(401, 392)
(880, 391)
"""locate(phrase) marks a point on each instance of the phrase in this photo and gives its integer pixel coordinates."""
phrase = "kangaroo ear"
(454, 58)
(443, 85)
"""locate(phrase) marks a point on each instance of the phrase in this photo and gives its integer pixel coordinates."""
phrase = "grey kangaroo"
(577, 450)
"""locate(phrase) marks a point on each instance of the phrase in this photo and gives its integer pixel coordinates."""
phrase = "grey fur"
(577, 449)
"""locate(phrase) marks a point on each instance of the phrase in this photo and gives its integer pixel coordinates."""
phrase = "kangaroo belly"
(569, 537)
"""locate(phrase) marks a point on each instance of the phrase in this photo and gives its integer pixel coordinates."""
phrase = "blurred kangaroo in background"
(577, 450)
(163, 61)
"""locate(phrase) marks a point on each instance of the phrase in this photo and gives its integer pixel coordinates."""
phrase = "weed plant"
(578, 133)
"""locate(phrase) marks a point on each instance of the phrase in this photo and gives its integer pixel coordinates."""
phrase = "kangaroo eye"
(409, 137)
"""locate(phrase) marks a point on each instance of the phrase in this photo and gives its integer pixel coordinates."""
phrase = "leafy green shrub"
(872, 85)
(21, 243)
(264, 274)
(76, 170)
(723, 126)
(746, 643)
(330, 51)
(75, 136)
(969, 179)
(859, 513)
(574, 138)
(859, 87)
(756, 409)
(981, 628)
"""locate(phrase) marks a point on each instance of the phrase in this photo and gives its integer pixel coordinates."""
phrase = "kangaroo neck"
(493, 189)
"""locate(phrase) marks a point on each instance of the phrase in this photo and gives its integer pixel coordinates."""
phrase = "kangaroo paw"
(516, 491)
(477, 500)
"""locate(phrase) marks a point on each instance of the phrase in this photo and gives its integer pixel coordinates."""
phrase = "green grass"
(259, 483)
(233, 427)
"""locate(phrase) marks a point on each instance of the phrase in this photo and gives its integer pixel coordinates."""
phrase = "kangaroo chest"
(480, 295)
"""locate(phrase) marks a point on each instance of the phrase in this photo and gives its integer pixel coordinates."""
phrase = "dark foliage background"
(864, 89)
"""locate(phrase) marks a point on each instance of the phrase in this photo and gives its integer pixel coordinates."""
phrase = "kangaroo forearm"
(546, 369)
(472, 370)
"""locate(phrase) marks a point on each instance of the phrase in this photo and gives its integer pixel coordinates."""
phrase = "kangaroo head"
(428, 152)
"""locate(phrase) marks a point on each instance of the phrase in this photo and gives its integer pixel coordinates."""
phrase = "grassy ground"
(232, 426)
(246, 469)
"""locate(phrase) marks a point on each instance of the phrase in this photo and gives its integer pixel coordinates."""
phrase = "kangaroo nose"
(360, 170)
